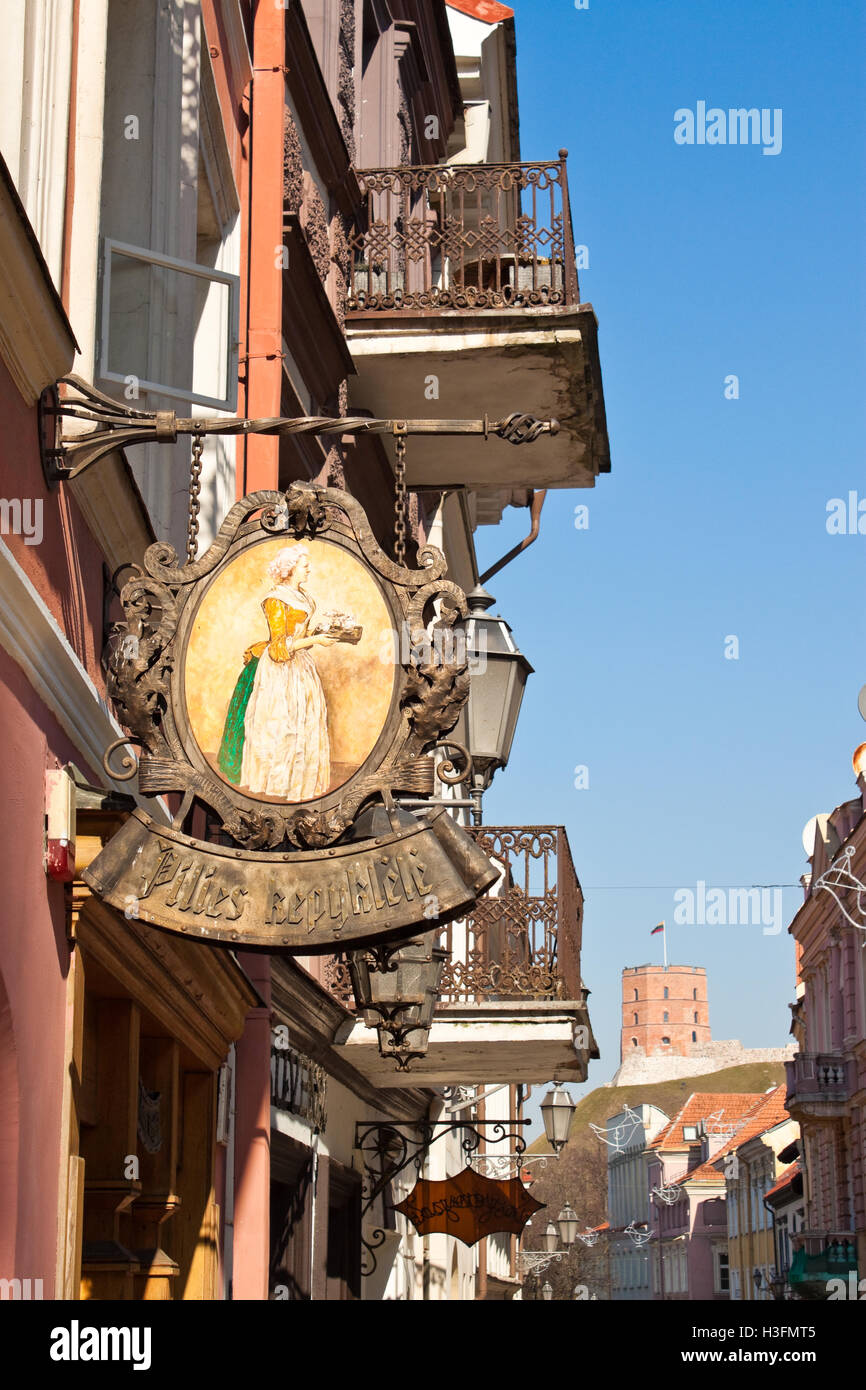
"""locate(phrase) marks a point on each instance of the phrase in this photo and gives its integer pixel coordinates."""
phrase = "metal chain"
(400, 496)
(194, 492)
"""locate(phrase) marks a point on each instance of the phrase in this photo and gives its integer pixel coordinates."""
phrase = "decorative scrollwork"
(129, 763)
(446, 771)
(521, 429)
(387, 1150)
(157, 603)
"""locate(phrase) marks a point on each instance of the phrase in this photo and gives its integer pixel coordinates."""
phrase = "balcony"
(819, 1085)
(512, 1007)
(464, 299)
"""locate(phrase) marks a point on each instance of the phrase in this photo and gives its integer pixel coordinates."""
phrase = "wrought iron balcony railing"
(463, 236)
(522, 939)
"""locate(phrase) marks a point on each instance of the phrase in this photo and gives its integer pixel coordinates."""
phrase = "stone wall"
(706, 1058)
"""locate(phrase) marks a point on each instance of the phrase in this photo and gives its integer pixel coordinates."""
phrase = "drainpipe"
(229, 1232)
(536, 502)
(314, 1184)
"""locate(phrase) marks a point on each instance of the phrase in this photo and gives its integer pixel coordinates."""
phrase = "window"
(666, 1041)
(722, 1271)
(690, 1132)
(666, 991)
(635, 1018)
(635, 994)
(666, 1017)
(634, 1042)
(694, 1036)
(696, 1017)
(694, 994)
(135, 279)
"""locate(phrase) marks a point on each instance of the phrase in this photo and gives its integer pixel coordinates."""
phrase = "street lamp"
(567, 1223)
(547, 1292)
(396, 988)
(498, 675)
(549, 1239)
(757, 1279)
(557, 1109)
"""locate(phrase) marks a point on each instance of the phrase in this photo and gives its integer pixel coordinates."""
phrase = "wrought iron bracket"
(387, 1150)
(537, 1261)
(117, 426)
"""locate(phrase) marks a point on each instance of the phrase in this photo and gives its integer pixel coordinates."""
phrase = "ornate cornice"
(317, 116)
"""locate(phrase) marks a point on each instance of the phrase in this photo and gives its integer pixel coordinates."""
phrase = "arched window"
(694, 994)
(634, 1042)
(665, 1018)
(635, 994)
(666, 1040)
(666, 991)
(694, 1037)
(635, 1018)
(696, 1017)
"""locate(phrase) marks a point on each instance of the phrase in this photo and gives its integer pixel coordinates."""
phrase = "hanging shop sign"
(469, 1206)
(270, 684)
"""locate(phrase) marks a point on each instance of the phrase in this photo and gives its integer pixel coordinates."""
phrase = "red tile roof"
(722, 1108)
(489, 11)
(770, 1111)
(785, 1179)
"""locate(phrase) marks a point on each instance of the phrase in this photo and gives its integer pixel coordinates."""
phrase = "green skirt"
(231, 754)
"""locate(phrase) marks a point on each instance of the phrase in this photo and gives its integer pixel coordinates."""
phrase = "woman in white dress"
(286, 749)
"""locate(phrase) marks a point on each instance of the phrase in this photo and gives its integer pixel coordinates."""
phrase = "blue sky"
(703, 261)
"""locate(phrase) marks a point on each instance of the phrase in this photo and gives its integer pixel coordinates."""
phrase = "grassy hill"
(669, 1096)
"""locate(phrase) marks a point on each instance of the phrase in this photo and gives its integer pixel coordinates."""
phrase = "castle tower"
(664, 1010)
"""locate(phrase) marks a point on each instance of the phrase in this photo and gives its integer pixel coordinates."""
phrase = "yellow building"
(750, 1164)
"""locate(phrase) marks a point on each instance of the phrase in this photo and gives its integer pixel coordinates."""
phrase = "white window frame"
(223, 277)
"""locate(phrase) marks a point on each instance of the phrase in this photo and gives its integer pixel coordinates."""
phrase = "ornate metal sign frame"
(287, 877)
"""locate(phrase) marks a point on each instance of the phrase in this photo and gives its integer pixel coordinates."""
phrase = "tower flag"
(661, 928)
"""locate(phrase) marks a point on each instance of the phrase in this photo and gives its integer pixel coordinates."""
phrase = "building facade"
(689, 1210)
(221, 209)
(629, 1198)
(827, 1076)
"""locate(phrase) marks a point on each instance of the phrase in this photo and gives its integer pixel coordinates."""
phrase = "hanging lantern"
(550, 1237)
(396, 988)
(495, 691)
(567, 1223)
(557, 1109)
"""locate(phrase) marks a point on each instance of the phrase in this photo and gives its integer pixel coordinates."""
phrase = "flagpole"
(665, 943)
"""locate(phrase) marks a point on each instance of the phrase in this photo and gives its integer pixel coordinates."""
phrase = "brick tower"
(664, 1010)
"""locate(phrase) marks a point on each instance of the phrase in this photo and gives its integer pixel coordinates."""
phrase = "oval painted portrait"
(290, 669)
